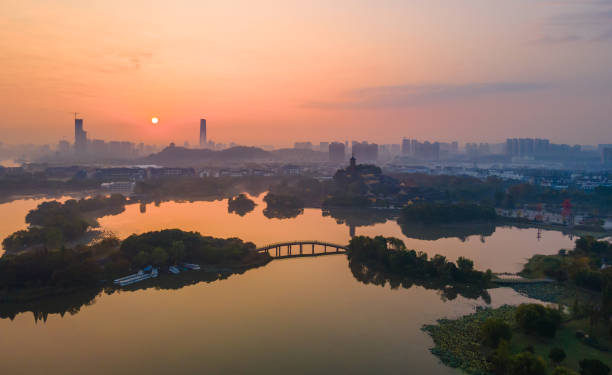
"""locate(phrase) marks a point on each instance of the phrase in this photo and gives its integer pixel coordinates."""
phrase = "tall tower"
(202, 132)
(80, 136)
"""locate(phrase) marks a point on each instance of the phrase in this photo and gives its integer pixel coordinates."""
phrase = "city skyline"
(316, 187)
(202, 141)
(336, 71)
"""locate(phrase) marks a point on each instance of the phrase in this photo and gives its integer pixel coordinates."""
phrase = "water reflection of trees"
(358, 217)
(282, 213)
(41, 308)
(354, 218)
(240, 205)
(436, 232)
(282, 206)
(448, 292)
(72, 302)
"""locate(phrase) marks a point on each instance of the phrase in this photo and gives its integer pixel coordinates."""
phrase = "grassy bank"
(458, 342)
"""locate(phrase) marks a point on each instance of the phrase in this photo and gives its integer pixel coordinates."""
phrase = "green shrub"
(593, 367)
(537, 319)
(557, 355)
(495, 330)
(527, 364)
(563, 371)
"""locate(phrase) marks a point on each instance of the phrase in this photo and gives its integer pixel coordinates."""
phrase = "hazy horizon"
(277, 72)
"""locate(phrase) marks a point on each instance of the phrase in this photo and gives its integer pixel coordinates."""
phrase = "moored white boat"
(148, 273)
(192, 266)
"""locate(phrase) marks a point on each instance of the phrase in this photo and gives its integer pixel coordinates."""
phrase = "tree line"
(586, 266)
(390, 254)
(52, 223)
(443, 213)
(87, 265)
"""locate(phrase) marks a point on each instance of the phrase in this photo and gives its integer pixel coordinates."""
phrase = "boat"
(174, 270)
(192, 266)
(144, 274)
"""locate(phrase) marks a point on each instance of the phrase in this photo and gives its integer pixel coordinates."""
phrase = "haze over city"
(276, 72)
(306, 187)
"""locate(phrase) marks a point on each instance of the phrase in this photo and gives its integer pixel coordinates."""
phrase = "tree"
(53, 237)
(159, 256)
(606, 294)
(537, 319)
(593, 367)
(509, 202)
(501, 358)
(563, 371)
(465, 265)
(557, 355)
(527, 364)
(576, 311)
(177, 251)
(495, 330)
(499, 197)
(142, 259)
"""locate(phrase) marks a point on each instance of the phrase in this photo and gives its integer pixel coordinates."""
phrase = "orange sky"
(275, 72)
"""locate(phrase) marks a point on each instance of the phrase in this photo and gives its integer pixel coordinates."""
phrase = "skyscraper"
(365, 151)
(336, 152)
(202, 132)
(80, 136)
(406, 150)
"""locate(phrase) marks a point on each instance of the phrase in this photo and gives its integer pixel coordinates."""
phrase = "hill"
(181, 156)
(174, 155)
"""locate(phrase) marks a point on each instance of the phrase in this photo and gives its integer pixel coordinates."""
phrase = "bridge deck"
(505, 278)
(309, 255)
(297, 243)
(276, 250)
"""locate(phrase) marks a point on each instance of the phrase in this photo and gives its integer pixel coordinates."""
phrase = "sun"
(154, 120)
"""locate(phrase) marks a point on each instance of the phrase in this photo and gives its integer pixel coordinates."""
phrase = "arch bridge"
(302, 249)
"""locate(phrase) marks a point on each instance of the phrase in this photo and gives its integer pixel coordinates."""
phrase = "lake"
(298, 316)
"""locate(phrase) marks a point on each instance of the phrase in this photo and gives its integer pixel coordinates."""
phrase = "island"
(51, 271)
(510, 339)
(381, 260)
(53, 223)
(282, 206)
(240, 204)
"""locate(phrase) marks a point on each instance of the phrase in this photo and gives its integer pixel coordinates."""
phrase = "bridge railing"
(302, 242)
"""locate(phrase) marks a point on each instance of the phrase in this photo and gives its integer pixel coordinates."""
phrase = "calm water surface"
(303, 316)
(505, 250)
(294, 316)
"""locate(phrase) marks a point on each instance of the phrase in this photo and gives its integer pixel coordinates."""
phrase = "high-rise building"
(512, 147)
(541, 146)
(324, 146)
(396, 149)
(337, 152)
(80, 136)
(365, 151)
(476, 149)
(606, 155)
(528, 147)
(454, 147)
(303, 145)
(202, 132)
(427, 150)
(406, 149)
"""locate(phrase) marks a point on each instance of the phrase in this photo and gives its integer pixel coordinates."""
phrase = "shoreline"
(34, 294)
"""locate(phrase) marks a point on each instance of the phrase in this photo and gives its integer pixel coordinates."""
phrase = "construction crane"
(75, 114)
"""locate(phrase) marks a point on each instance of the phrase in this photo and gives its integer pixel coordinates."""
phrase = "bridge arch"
(292, 249)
